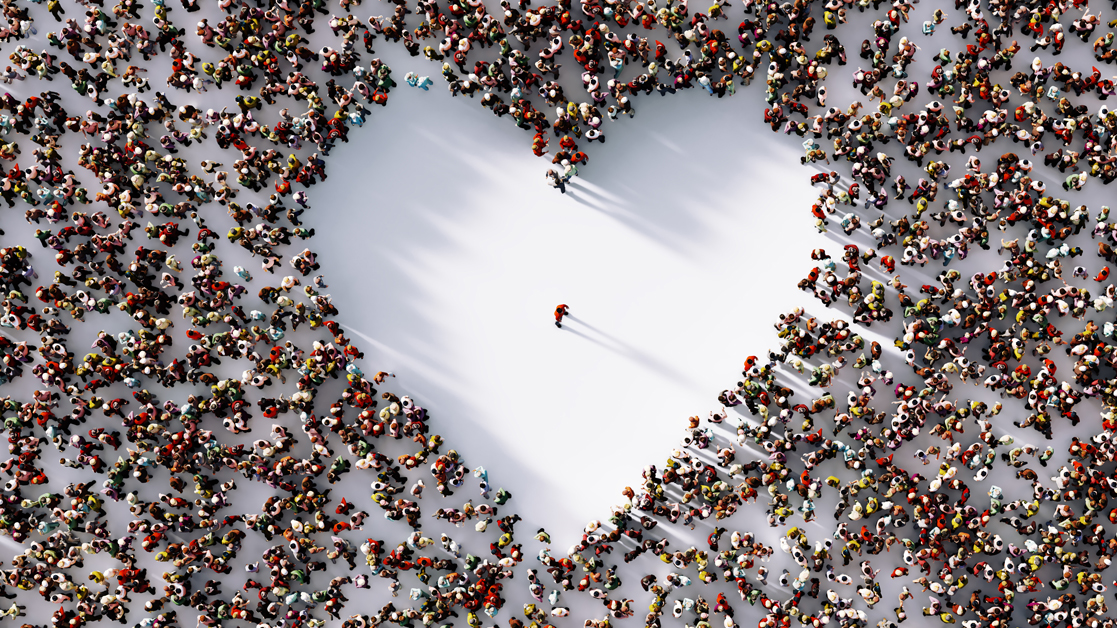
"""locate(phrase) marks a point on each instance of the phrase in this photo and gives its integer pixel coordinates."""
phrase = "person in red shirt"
(560, 311)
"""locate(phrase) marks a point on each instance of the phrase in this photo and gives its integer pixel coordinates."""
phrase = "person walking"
(560, 311)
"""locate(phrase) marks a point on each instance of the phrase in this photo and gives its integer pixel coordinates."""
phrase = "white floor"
(674, 257)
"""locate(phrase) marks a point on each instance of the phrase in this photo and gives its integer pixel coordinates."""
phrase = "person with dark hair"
(560, 311)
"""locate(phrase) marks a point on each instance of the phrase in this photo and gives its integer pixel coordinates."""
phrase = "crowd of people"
(274, 352)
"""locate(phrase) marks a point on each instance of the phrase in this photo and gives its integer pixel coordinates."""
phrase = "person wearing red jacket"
(560, 311)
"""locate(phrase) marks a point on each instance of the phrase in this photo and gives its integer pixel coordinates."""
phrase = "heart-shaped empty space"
(448, 252)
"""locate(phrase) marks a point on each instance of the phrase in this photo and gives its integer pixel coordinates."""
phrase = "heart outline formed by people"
(866, 427)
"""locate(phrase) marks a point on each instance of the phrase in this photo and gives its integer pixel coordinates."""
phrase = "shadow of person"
(611, 343)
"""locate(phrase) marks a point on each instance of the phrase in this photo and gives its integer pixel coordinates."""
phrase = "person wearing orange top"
(560, 311)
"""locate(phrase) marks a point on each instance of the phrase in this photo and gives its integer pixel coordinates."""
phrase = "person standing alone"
(560, 311)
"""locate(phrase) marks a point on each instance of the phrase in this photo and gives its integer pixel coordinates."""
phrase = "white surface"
(674, 258)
